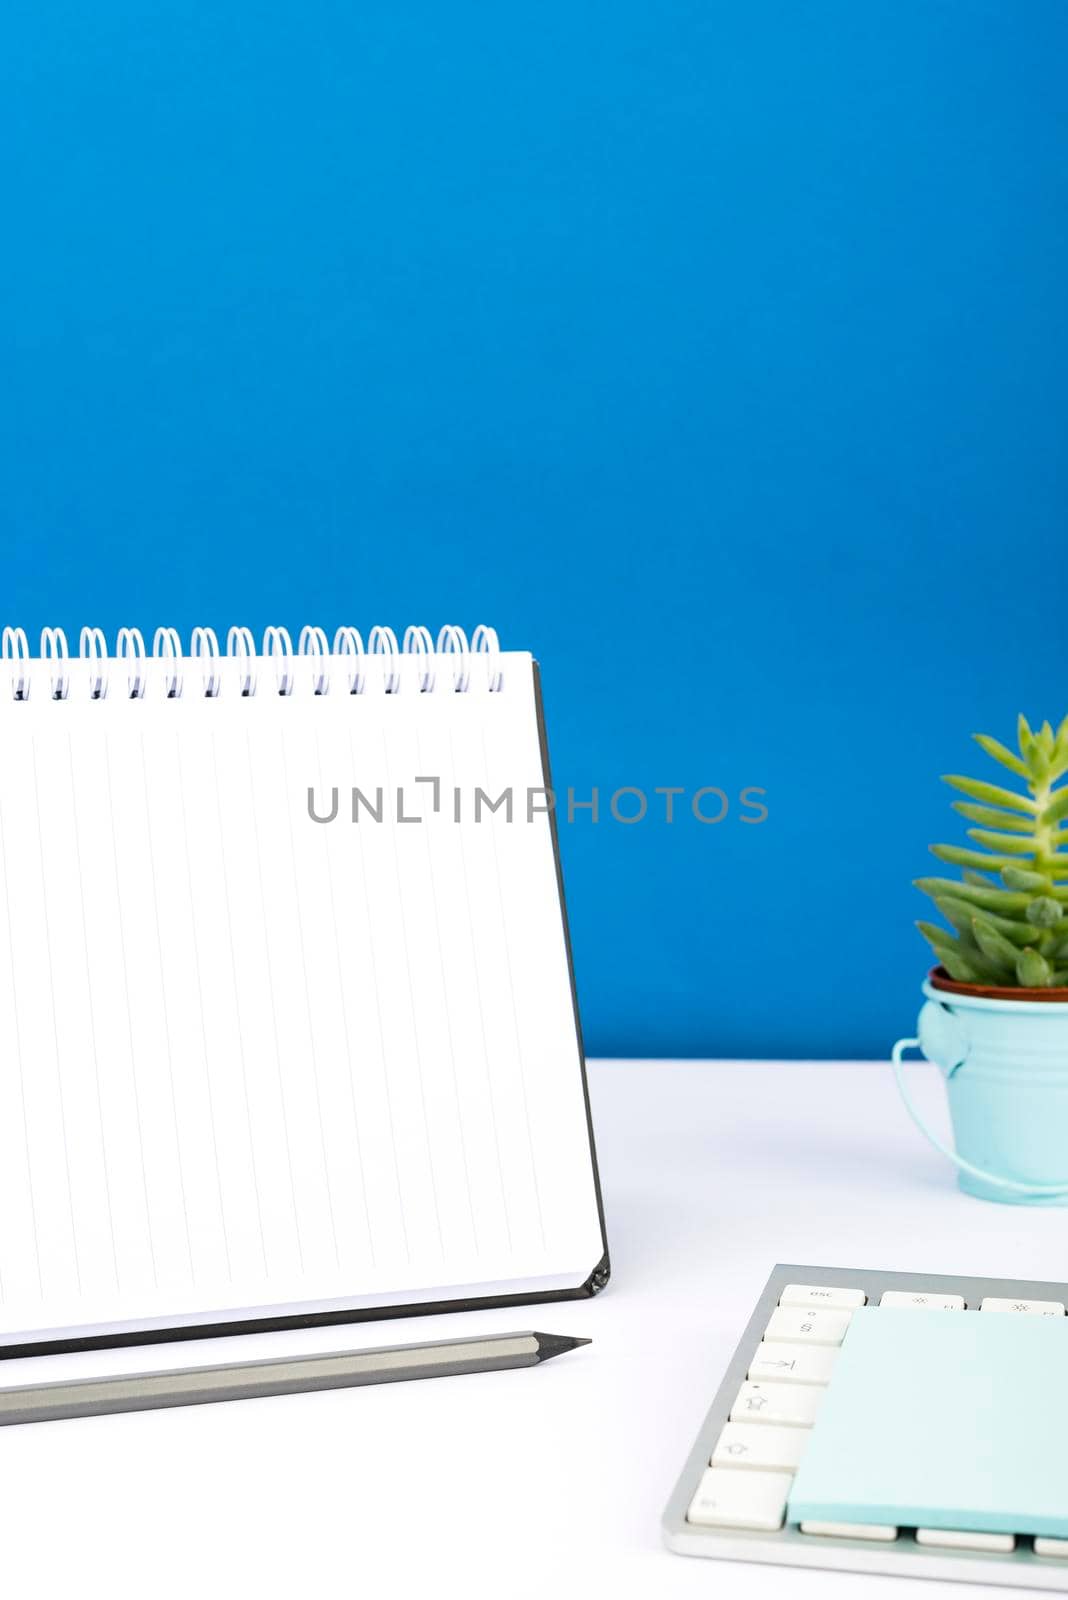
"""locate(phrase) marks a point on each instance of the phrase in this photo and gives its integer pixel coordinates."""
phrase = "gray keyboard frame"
(790, 1547)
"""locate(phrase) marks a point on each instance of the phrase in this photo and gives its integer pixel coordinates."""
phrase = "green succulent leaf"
(981, 880)
(950, 954)
(957, 856)
(1055, 865)
(1060, 751)
(990, 793)
(958, 913)
(988, 896)
(1006, 842)
(1057, 809)
(1033, 970)
(1044, 911)
(989, 971)
(1014, 877)
(1039, 763)
(990, 818)
(996, 947)
(1002, 753)
(961, 915)
(1036, 748)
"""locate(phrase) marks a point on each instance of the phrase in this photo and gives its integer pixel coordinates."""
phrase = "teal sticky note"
(943, 1419)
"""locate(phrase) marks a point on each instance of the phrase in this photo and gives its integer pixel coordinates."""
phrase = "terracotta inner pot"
(939, 978)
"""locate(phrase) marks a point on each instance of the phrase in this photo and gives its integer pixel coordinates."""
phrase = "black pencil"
(342, 1369)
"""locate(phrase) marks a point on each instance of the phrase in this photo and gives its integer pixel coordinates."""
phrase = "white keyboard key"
(882, 1532)
(1051, 1547)
(747, 1444)
(1031, 1308)
(906, 1300)
(815, 1294)
(792, 1363)
(807, 1327)
(727, 1498)
(791, 1405)
(950, 1539)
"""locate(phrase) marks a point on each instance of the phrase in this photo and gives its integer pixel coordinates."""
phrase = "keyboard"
(889, 1422)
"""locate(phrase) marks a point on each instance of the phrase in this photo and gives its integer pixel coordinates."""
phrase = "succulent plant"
(1009, 911)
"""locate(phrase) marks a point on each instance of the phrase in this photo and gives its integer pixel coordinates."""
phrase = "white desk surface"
(546, 1482)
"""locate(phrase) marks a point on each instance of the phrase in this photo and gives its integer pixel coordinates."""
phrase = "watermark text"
(628, 805)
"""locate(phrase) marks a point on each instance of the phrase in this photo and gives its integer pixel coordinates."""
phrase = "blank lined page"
(286, 1016)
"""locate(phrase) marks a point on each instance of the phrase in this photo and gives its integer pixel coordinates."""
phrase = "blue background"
(714, 352)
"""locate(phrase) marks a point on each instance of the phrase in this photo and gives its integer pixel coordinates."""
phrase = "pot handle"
(1048, 1189)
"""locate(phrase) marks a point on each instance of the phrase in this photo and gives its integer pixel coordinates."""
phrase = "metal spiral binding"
(93, 647)
(449, 664)
(54, 648)
(166, 645)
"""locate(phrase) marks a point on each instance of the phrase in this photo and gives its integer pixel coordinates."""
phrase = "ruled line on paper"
(287, 1137)
(237, 1007)
(482, 1018)
(307, 1003)
(345, 1020)
(55, 1023)
(18, 1042)
(448, 1012)
(212, 1120)
(412, 1006)
(166, 1011)
(129, 1013)
(381, 1031)
(517, 1032)
(92, 1025)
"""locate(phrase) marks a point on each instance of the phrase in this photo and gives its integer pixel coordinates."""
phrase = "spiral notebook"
(288, 1029)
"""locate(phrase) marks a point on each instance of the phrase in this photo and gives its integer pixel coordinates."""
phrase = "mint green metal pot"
(1005, 1063)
